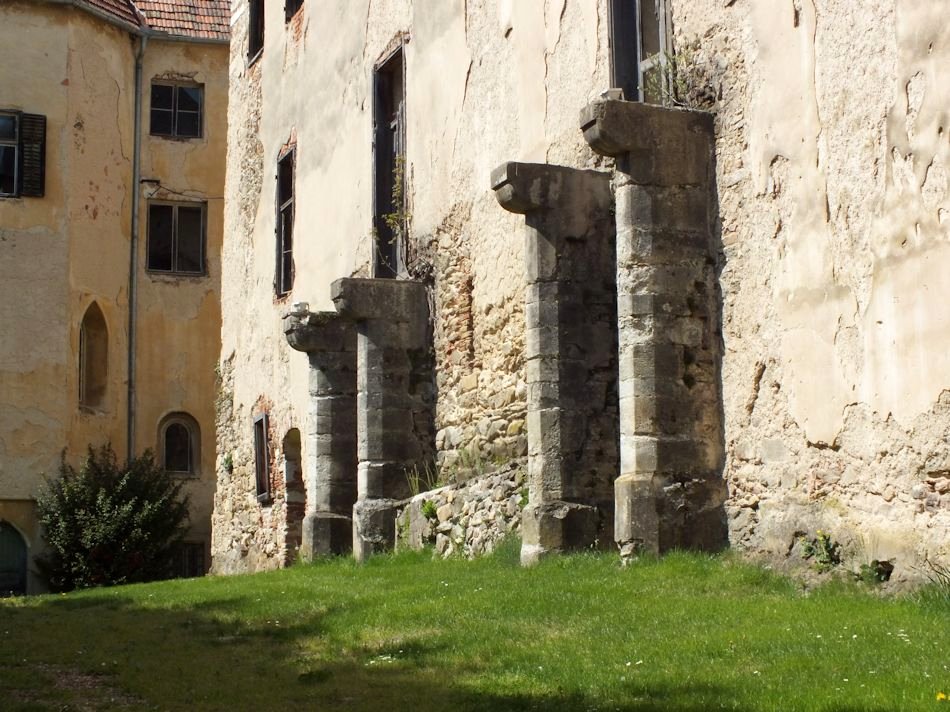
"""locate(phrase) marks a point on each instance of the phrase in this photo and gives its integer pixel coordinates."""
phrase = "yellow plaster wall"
(179, 317)
(60, 253)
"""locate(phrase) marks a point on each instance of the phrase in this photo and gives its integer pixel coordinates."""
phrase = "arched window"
(291, 447)
(93, 358)
(179, 440)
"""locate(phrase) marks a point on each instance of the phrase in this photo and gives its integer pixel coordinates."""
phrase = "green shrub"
(107, 525)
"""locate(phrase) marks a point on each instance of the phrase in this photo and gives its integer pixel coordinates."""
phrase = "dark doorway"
(389, 189)
(12, 562)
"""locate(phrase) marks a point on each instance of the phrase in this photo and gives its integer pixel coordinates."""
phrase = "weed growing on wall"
(422, 479)
(682, 80)
(107, 524)
(823, 551)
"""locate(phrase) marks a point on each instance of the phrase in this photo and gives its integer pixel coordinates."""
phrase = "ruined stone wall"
(486, 82)
(467, 519)
(832, 150)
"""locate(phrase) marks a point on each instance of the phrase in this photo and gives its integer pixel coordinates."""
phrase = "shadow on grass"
(198, 658)
(223, 653)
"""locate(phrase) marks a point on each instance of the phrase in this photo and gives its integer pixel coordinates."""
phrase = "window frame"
(13, 143)
(176, 110)
(255, 30)
(284, 227)
(203, 237)
(262, 458)
(390, 127)
(658, 60)
(194, 443)
(29, 154)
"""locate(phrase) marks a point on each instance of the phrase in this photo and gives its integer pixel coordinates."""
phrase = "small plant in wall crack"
(823, 551)
(429, 510)
(681, 79)
(422, 479)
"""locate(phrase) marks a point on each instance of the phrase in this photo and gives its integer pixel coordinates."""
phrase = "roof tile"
(202, 19)
(199, 19)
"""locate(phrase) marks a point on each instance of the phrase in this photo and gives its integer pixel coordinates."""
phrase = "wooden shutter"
(32, 155)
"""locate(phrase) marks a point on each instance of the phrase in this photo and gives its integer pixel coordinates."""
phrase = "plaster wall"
(486, 81)
(179, 317)
(62, 252)
(53, 247)
(832, 145)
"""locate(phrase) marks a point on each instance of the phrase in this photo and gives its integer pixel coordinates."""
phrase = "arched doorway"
(12, 562)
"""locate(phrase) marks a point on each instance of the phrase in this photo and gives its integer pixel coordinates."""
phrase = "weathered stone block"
(326, 534)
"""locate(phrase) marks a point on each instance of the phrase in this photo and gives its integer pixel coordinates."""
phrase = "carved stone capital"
(318, 331)
(665, 146)
(525, 187)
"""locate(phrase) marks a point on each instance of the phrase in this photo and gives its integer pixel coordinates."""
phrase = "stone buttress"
(330, 343)
(670, 492)
(395, 399)
(571, 352)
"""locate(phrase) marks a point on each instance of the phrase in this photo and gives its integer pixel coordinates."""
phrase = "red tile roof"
(119, 9)
(199, 19)
(202, 19)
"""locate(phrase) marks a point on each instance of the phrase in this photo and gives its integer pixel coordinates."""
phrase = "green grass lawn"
(574, 633)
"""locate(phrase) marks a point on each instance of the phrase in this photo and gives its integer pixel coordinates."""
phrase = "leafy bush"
(107, 525)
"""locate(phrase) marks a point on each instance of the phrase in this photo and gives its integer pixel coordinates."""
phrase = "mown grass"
(575, 633)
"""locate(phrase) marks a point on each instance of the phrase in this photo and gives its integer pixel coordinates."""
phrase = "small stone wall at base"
(468, 518)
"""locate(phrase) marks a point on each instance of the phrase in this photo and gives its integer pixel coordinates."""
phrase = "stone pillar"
(395, 396)
(570, 314)
(670, 492)
(330, 476)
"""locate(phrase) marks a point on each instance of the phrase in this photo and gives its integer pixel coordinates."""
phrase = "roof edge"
(103, 15)
(142, 29)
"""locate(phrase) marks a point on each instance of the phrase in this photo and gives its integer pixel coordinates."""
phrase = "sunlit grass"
(576, 632)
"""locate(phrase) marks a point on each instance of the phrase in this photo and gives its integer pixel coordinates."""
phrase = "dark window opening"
(22, 154)
(176, 237)
(190, 560)
(177, 448)
(389, 185)
(262, 459)
(93, 358)
(284, 278)
(13, 556)
(178, 443)
(291, 7)
(255, 29)
(623, 48)
(176, 110)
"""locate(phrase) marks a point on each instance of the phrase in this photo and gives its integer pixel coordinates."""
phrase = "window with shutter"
(33, 155)
(22, 154)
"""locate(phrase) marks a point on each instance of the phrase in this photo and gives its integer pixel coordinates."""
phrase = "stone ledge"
(394, 300)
